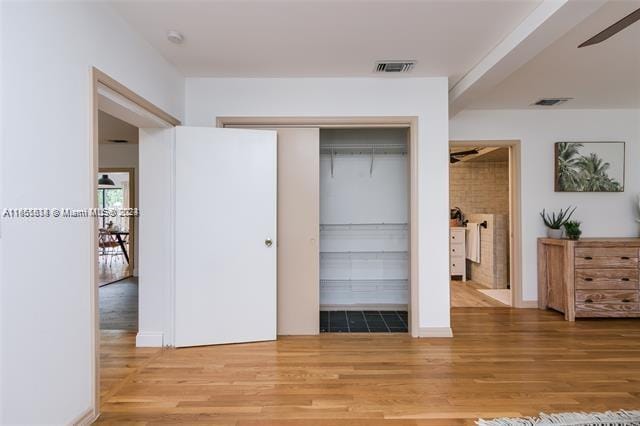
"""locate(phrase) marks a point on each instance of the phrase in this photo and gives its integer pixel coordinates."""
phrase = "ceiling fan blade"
(613, 29)
(463, 153)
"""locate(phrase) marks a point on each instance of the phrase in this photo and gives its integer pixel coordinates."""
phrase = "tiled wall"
(481, 190)
(480, 186)
(493, 269)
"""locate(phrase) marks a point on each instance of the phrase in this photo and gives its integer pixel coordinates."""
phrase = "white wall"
(123, 155)
(157, 168)
(48, 49)
(601, 214)
(426, 98)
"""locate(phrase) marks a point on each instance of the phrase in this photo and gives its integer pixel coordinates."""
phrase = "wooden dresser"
(457, 252)
(592, 277)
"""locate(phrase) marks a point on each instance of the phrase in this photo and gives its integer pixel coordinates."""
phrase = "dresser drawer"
(456, 249)
(606, 279)
(607, 310)
(606, 258)
(457, 265)
(606, 296)
(457, 235)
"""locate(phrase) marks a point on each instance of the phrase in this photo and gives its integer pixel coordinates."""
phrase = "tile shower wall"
(480, 186)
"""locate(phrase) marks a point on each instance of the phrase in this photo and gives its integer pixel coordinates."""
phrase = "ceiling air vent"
(394, 66)
(551, 101)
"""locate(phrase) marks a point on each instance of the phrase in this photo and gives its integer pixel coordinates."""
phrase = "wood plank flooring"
(500, 362)
(119, 305)
(112, 272)
(465, 294)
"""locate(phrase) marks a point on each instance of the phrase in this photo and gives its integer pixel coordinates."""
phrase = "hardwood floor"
(465, 294)
(119, 305)
(501, 362)
(117, 270)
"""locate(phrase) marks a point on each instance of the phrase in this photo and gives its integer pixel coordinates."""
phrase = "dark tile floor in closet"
(363, 321)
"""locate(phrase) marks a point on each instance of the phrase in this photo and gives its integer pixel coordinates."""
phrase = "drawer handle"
(588, 279)
(624, 257)
(588, 258)
(453, 238)
(625, 279)
(588, 301)
(626, 300)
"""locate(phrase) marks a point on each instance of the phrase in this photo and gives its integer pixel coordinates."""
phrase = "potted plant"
(572, 229)
(555, 221)
(455, 217)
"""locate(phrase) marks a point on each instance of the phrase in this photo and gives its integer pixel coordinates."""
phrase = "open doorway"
(118, 116)
(116, 227)
(483, 199)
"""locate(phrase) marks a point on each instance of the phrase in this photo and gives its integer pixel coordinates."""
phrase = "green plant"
(555, 221)
(572, 229)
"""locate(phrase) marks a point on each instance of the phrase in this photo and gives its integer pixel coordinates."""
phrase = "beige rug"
(501, 295)
(609, 418)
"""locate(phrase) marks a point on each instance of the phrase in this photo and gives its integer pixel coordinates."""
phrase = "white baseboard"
(85, 419)
(146, 339)
(434, 332)
(527, 304)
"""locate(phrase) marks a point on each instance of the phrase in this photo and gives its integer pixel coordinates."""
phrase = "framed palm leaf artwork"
(589, 166)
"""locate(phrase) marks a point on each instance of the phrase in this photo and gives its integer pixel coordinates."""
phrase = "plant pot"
(554, 233)
(574, 235)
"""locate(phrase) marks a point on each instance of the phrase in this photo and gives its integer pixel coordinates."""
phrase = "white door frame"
(110, 96)
(407, 122)
(515, 213)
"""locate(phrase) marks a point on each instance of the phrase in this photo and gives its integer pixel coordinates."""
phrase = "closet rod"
(363, 146)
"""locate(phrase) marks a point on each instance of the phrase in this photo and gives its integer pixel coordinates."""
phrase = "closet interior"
(364, 230)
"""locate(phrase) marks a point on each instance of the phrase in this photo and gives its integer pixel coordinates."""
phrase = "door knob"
(268, 242)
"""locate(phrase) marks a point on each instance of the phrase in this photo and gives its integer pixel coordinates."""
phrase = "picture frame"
(589, 166)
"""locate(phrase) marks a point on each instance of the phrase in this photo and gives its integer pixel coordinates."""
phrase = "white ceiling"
(606, 75)
(312, 38)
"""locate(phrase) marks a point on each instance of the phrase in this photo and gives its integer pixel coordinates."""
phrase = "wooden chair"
(107, 245)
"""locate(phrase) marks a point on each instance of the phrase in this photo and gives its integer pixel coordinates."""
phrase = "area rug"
(609, 418)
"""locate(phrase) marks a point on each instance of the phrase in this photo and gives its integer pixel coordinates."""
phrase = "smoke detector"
(394, 66)
(551, 101)
(175, 37)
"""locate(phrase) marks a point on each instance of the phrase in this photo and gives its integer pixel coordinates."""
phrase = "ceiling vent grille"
(394, 66)
(551, 101)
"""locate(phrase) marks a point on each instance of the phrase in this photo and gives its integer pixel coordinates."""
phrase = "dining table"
(121, 242)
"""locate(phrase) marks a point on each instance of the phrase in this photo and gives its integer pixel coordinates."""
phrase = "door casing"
(132, 105)
(515, 216)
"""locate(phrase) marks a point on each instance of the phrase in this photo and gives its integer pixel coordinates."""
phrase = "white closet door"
(225, 201)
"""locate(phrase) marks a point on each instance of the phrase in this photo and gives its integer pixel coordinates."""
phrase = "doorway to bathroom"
(484, 224)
